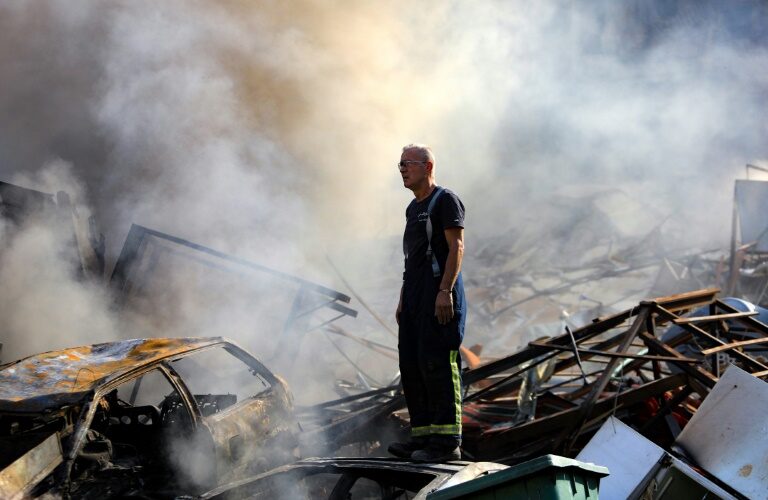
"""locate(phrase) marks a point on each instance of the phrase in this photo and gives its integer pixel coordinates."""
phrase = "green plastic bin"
(547, 477)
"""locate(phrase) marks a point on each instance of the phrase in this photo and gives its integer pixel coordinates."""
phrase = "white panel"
(628, 455)
(728, 435)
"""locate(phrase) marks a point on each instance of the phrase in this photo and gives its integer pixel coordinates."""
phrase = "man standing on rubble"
(431, 312)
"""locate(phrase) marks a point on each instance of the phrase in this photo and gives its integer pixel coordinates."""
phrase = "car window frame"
(85, 419)
(251, 362)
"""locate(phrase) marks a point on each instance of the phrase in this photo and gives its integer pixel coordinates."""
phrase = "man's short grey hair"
(425, 152)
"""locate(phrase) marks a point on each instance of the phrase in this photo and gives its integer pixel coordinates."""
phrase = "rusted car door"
(246, 408)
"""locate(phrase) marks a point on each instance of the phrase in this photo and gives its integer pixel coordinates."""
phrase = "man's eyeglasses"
(404, 163)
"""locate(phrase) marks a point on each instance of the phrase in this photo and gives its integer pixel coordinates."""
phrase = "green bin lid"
(516, 472)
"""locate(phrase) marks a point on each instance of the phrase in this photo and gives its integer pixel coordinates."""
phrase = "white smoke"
(45, 304)
(270, 131)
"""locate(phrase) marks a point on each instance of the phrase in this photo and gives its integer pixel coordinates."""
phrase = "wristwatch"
(447, 290)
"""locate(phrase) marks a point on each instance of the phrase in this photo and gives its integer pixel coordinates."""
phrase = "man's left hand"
(444, 307)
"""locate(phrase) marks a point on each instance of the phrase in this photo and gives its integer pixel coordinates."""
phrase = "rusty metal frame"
(310, 297)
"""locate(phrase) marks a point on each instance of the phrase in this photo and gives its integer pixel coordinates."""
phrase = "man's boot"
(405, 449)
(439, 449)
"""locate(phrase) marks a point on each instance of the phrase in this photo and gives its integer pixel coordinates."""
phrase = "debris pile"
(599, 252)
(638, 376)
(553, 395)
(721, 450)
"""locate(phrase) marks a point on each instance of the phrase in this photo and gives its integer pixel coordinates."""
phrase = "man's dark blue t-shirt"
(448, 212)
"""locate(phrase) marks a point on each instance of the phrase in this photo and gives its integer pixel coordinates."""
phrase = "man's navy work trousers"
(430, 365)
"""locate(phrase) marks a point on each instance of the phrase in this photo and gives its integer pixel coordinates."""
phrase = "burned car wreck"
(140, 417)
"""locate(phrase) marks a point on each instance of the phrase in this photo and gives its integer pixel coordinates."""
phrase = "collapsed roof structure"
(150, 258)
(551, 396)
(584, 363)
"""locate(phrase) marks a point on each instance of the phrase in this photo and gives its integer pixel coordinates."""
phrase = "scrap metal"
(727, 435)
(630, 372)
(641, 469)
(137, 266)
(83, 243)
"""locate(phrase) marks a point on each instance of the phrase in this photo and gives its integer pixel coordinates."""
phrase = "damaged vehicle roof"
(56, 378)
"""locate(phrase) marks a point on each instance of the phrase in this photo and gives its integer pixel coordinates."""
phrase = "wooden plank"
(493, 388)
(507, 385)
(571, 361)
(502, 365)
(597, 327)
(688, 299)
(754, 364)
(496, 443)
(516, 359)
(716, 317)
(599, 386)
(703, 376)
(748, 322)
(348, 399)
(734, 345)
(624, 355)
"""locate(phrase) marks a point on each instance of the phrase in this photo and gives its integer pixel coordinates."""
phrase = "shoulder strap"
(430, 254)
(405, 246)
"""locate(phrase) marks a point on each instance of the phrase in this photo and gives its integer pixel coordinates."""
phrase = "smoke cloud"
(271, 130)
(44, 304)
